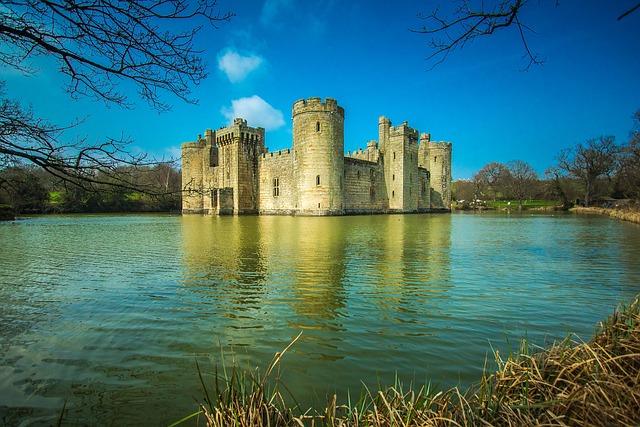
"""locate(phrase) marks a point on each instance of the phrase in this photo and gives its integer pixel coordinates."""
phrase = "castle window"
(358, 174)
(435, 159)
(318, 180)
(393, 177)
(276, 187)
(394, 155)
(393, 194)
(317, 126)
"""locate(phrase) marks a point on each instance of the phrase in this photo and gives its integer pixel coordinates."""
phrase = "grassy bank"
(592, 383)
(631, 214)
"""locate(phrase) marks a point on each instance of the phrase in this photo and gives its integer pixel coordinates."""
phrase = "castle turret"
(440, 169)
(384, 126)
(318, 135)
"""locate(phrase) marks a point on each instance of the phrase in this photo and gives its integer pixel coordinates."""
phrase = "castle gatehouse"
(230, 171)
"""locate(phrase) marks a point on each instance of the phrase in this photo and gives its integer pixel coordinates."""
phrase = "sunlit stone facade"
(230, 170)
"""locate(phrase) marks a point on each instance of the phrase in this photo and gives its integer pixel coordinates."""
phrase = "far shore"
(624, 214)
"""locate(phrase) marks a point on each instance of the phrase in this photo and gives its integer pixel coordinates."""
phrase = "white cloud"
(237, 66)
(256, 111)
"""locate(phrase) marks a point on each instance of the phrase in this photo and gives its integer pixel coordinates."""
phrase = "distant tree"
(629, 174)
(492, 176)
(168, 182)
(479, 186)
(471, 19)
(23, 190)
(98, 46)
(597, 158)
(557, 182)
(520, 181)
(165, 177)
(463, 189)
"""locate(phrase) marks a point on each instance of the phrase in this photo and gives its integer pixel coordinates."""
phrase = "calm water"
(111, 312)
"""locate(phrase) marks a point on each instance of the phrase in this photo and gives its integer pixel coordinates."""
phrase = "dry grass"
(594, 383)
(630, 213)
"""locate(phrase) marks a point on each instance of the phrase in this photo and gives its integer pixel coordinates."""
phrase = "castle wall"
(424, 190)
(278, 191)
(364, 191)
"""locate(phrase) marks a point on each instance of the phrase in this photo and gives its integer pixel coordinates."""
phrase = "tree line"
(597, 168)
(28, 189)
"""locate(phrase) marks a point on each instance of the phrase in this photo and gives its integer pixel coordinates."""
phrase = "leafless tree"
(589, 162)
(102, 47)
(557, 182)
(476, 18)
(520, 181)
(492, 175)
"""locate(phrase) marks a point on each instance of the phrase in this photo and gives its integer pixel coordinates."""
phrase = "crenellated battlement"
(403, 130)
(239, 132)
(370, 154)
(312, 105)
(440, 145)
(277, 154)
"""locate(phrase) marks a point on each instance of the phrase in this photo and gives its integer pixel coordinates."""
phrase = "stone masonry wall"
(364, 190)
(280, 199)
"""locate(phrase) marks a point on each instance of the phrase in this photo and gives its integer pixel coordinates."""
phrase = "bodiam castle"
(231, 171)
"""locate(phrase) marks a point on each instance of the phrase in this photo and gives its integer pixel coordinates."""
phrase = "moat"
(111, 312)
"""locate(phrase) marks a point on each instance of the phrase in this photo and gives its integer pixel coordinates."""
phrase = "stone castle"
(230, 171)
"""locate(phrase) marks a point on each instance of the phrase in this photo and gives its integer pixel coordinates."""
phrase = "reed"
(572, 383)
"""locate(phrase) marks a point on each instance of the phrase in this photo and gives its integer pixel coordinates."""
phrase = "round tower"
(318, 142)
(440, 170)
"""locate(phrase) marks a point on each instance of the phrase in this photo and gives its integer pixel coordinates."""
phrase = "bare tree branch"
(470, 22)
(628, 12)
(101, 44)
(81, 163)
(476, 18)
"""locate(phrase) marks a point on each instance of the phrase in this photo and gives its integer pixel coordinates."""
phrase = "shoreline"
(623, 214)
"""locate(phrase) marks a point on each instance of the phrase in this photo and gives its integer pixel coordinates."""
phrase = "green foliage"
(28, 190)
(23, 190)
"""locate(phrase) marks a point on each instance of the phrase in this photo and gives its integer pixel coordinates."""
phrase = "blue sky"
(274, 52)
